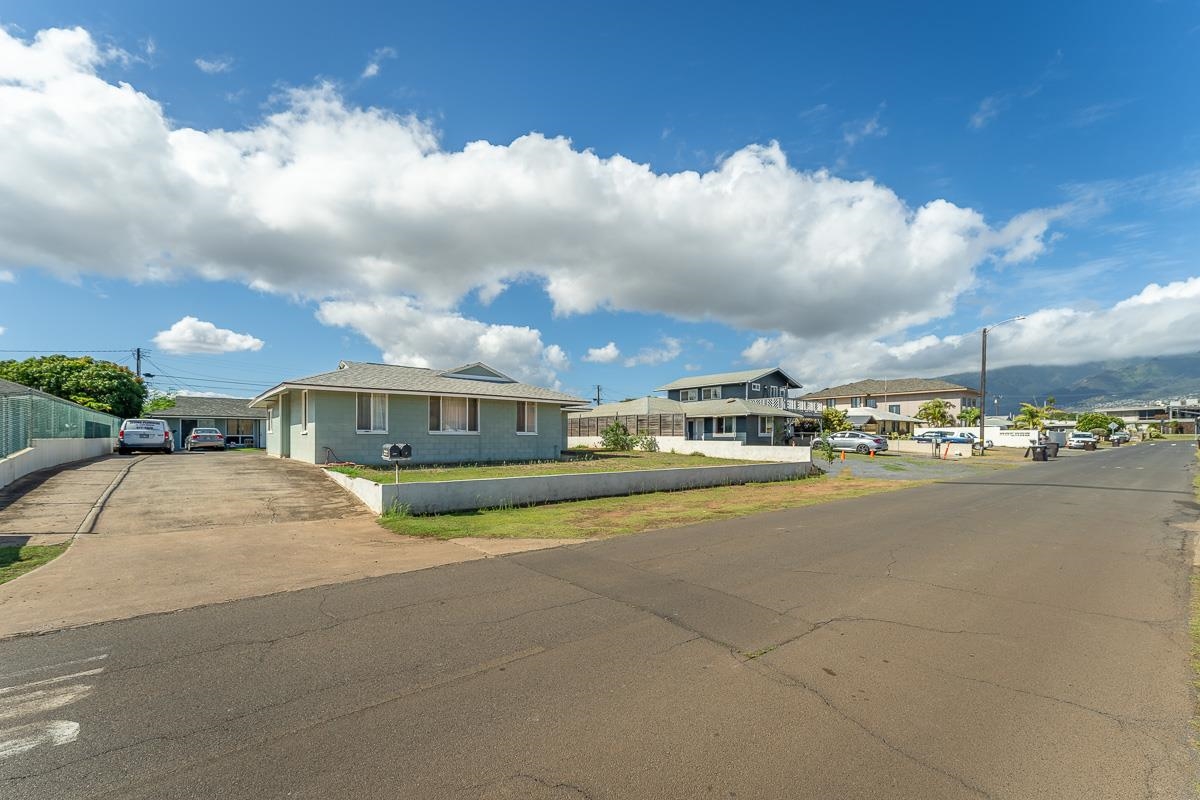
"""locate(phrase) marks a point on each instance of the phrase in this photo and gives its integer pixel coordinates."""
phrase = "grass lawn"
(16, 561)
(1194, 627)
(614, 516)
(580, 461)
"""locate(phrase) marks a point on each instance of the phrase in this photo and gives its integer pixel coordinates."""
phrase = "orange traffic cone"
(843, 455)
(872, 454)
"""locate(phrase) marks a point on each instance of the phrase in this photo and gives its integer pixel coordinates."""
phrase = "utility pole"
(137, 352)
(597, 395)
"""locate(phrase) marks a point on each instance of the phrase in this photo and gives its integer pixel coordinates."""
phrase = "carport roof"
(211, 408)
(473, 380)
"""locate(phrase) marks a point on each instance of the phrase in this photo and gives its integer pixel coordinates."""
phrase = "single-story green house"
(232, 416)
(469, 414)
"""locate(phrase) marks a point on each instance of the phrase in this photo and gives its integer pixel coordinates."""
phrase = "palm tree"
(969, 417)
(936, 413)
(1030, 417)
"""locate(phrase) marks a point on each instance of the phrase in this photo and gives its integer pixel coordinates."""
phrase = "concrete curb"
(89, 522)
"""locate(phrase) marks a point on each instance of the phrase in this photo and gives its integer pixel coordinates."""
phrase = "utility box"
(397, 452)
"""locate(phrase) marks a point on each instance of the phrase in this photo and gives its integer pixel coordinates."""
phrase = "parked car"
(205, 439)
(1078, 440)
(1119, 437)
(857, 441)
(144, 434)
(933, 436)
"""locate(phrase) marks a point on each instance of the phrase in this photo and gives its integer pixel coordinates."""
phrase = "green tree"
(1030, 417)
(1093, 420)
(101, 385)
(834, 419)
(158, 403)
(969, 416)
(935, 413)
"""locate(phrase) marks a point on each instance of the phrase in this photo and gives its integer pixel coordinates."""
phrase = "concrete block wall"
(433, 497)
(718, 449)
(47, 453)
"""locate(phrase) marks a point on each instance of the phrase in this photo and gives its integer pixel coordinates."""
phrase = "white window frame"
(732, 426)
(531, 412)
(270, 419)
(441, 415)
(894, 408)
(766, 426)
(756, 387)
(856, 402)
(304, 412)
(710, 393)
(689, 395)
(376, 397)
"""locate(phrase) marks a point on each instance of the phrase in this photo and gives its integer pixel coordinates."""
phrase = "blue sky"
(252, 193)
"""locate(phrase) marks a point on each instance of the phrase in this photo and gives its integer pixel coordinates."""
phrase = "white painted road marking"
(22, 738)
(39, 697)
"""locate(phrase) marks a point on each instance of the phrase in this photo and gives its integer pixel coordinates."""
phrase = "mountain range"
(1083, 387)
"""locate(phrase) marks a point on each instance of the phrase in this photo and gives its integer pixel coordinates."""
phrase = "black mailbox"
(397, 452)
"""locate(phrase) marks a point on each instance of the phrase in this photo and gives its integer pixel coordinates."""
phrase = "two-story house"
(902, 396)
(751, 406)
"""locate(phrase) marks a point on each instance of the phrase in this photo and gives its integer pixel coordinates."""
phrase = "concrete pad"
(103, 578)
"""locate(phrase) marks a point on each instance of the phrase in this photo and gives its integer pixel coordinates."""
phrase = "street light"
(983, 381)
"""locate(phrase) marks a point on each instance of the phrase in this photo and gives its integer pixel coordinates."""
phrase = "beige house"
(901, 397)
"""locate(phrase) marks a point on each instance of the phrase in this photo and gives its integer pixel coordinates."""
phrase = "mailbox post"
(396, 453)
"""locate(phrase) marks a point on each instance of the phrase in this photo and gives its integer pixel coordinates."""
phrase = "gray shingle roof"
(365, 377)
(879, 388)
(744, 376)
(11, 387)
(637, 406)
(703, 408)
(187, 406)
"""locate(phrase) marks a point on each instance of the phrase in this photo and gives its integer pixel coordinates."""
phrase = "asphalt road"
(1017, 635)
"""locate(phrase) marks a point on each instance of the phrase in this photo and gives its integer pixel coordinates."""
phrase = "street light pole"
(983, 381)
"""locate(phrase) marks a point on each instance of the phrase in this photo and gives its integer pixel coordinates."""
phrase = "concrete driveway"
(155, 533)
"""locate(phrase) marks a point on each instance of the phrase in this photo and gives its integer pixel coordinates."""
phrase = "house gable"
(477, 371)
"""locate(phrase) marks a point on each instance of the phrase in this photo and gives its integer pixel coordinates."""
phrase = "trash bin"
(1052, 449)
(1038, 451)
(1090, 446)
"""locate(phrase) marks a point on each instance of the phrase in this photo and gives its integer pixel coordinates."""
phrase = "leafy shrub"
(617, 437)
(1099, 433)
(647, 443)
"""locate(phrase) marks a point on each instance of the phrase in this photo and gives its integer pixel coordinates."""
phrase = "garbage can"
(1052, 449)
(1090, 446)
(1038, 451)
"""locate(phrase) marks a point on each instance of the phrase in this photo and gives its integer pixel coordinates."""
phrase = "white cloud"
(191, 335)
(415, 336)
(855, 132)
(193, 393)
(215, 66)
(989, 108)
(1158, 320)
(603, 355)
(7, 276)
(2, 330)
(375, 63)
(325, 200)
(668, 350)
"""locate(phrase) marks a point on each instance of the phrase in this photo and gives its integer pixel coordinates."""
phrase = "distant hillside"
(1085, 386)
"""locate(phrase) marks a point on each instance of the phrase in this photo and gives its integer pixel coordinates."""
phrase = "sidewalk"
(126, 571)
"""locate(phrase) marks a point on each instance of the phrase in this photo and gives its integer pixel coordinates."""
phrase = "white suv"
(1080, 440)
(144, 434)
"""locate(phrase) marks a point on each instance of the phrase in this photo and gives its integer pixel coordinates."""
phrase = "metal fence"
(33, 415)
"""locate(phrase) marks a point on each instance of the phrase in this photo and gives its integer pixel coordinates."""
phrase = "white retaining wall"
(716, 449)
(431, 497)
(945, 450)
(47, 453)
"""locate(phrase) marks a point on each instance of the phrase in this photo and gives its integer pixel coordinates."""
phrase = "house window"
(453, 415)
(756, 387)
(270, 420)
(689, 394)
(831, 402)
(526, 417)
(856, 402)
(304, 410)
(766, 426)
(872, 402)
(895, 409)
(710, 393)
(775, 391)
(723, 426)
(371, 416)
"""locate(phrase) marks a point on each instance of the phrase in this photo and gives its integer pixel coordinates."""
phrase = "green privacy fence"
(35, 415)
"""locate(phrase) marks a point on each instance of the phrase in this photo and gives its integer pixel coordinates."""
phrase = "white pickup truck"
(1079, 440)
